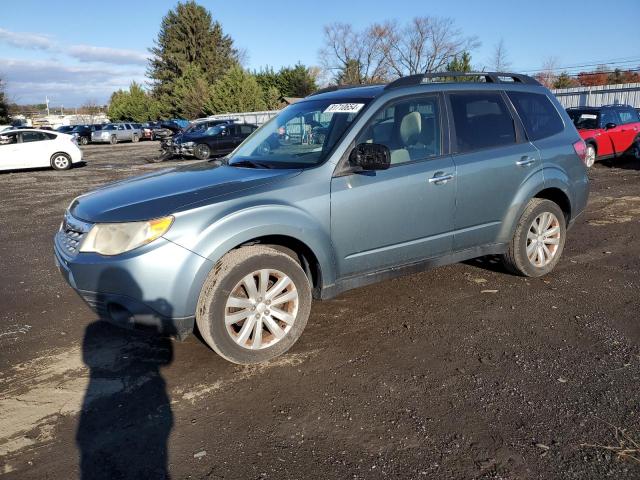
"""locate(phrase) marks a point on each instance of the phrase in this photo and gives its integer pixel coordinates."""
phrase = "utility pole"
(46, 100)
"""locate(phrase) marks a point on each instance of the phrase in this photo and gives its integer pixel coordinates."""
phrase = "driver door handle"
(525, 161)
(440, 178)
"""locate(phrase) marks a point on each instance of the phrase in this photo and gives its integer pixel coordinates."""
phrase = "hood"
(162, 193)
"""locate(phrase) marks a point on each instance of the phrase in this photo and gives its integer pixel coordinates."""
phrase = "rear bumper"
(153, 288)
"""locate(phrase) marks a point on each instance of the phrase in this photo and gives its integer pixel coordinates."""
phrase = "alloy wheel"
(261, 309)
(61, 162)
(590, 156)
(543, 239)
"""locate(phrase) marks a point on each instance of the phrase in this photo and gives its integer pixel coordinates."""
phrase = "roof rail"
(453, 77)
(333, 88)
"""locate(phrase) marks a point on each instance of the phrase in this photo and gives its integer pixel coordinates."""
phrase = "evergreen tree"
(191, 94)
(460, 63)
(564, 81)
(133, 105)
(236, 91)
(272, 98)
(296, 81)
(189, 37)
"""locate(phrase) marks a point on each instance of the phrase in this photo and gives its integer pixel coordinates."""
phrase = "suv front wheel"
(254, 305)
(538, 240)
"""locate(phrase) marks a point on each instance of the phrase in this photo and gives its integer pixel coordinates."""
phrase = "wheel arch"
(559, 197)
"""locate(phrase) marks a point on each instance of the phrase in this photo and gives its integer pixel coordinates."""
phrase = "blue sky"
(79, 51)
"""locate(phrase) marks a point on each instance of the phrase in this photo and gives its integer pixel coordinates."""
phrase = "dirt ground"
(457, 373)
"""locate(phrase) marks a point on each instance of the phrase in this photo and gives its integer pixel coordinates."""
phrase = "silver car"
(117, 132)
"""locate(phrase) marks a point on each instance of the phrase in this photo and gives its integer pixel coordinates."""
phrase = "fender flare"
(252, 223)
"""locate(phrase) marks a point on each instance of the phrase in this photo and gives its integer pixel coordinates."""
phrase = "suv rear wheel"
(538, 240)
(254, 305)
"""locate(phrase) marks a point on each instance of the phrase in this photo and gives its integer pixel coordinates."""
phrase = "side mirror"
(370, 156)
(610, 125)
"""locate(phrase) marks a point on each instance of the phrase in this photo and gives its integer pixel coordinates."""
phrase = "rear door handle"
(440, 178)
(525, 162)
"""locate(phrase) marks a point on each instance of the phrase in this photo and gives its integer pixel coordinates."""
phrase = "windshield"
(216, 130)
(585, 119)
(302, 135)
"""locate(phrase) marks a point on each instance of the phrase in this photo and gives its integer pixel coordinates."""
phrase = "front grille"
(71, 234)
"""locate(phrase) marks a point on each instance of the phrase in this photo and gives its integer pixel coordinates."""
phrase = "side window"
(482, 120)
(8, 139)
(609, 116)
(628, 115)
(246, 129)
(127, 126)
(410, 129)
(537, 113)
(28, 137)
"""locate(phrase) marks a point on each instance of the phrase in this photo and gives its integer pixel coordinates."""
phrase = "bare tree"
(500, 59)
(426, 44)
(346, 49)
(547, 75)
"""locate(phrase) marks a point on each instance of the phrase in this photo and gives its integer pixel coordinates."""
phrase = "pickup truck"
(609, 131)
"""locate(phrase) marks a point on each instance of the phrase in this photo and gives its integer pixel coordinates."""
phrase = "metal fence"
(257, 118)
(625, 93)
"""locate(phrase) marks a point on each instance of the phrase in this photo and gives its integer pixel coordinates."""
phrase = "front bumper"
(100, 140)
(180, 149)
(154, 287)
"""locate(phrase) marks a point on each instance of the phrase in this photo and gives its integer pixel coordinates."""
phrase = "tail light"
(581, 150)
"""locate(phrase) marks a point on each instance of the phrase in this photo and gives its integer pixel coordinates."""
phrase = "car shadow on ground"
(126, 416)
(493, 263)
(623, 163)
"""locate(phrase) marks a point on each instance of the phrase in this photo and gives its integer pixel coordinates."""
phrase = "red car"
(609, 131)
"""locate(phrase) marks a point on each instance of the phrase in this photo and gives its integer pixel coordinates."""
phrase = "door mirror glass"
(370, 156)
(610, 125)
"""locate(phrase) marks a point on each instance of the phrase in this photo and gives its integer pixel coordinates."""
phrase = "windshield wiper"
(248, 163)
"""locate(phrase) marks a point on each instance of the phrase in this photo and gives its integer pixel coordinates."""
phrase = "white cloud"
(31, 41)
(88, 53)
(30, 81)
(83, 53)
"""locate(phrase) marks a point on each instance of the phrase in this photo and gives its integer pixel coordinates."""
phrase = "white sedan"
(37, 149)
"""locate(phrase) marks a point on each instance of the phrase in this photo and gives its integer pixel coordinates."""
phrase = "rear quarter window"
(539, 117)
(628, 115)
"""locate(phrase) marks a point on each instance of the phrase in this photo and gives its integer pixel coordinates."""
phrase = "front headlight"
(116, 238)
(188, 144)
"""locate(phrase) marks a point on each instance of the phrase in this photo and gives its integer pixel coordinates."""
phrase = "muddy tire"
(135, 139)
(113, 140)
(254, 304)
(538, 240)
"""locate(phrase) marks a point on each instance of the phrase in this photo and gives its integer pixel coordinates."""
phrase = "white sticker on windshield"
(344, 108)
(590, 116)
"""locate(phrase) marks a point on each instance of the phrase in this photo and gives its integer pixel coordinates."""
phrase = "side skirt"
(361, 280)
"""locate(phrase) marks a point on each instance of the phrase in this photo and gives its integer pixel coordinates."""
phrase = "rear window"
(538, 115)
(482, 120)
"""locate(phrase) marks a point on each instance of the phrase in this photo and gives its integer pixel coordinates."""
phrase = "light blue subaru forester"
(347, 187)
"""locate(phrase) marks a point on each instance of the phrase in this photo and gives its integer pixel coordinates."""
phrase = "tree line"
(196, 69)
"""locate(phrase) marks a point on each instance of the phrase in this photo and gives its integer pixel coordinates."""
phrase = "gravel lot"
(461, 372)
